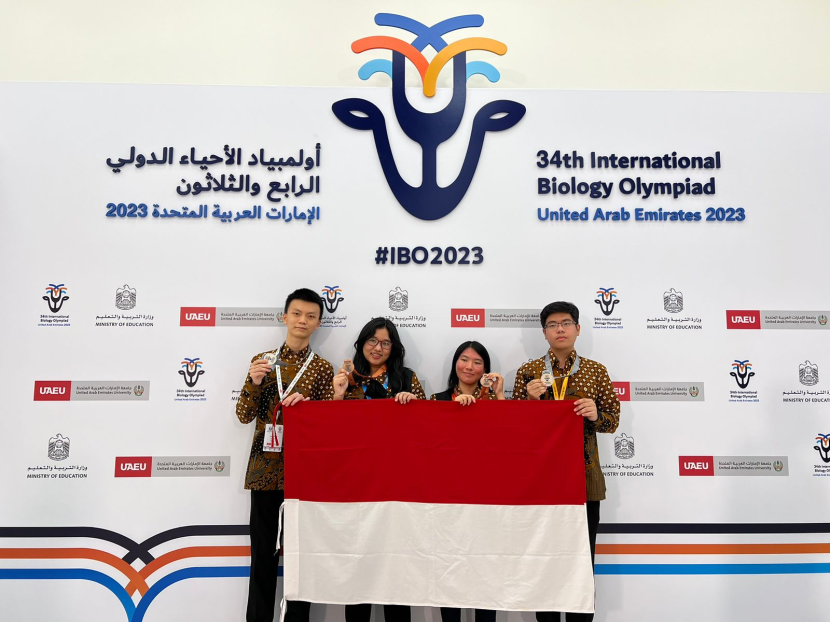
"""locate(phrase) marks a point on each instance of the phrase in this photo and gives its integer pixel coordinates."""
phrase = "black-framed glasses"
(566, 324)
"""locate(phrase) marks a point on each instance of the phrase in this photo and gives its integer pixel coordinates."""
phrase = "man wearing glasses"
(563, 374)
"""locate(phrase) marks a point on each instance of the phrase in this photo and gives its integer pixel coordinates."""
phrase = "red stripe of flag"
(491, 453)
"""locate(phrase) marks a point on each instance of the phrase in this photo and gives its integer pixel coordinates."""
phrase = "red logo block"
(623, 391)
(697, 465)
(468, 317)
(745, 320)
(198, 316)
(133, 467)
(53, 390)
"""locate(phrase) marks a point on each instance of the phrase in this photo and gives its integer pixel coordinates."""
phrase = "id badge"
(272, 442)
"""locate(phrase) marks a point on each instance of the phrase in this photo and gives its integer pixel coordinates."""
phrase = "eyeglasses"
(566, 324)
(385, 344)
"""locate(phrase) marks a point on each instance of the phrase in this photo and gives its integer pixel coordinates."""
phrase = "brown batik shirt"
(590, 381)
(356, 392)
(266, 470)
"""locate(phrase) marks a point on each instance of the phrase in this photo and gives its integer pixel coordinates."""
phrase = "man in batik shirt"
(292, 373)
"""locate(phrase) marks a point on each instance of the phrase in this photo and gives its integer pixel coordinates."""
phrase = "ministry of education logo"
(428, 201)
(125, 298)
(822, 446)
(607, 299)
(624, 446)
(191, 371)
(398, 299)
(742, 372)
(331, 297)
(673, 301)
(56, 296)
(58, 448)
(808, 374)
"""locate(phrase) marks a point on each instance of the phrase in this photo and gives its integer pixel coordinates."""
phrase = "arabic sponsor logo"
(822, 320)
(697, 466)
(624, 446)
(467, 317)
(694, 391)
(133, 467)
(673, 301)
(138, 390)
(607, 299)
(55, 296)
(623, 391)
(125, 298)
(808, 374)
(822, 446)
(428, 201)
(191, 371)
(398, 299)
(197, 316)
(742, 372)
(732, 466)
(743, 320)
(332, 297)
(58, 448)
(173, 466)
(53, 390)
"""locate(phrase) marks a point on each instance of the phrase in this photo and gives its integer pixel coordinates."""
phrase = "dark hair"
(394, 364)
(452, 381)
(560, 306)
(306, 295)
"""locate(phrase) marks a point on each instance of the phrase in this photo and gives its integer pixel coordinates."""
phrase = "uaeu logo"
(191, 371)
(429, 201)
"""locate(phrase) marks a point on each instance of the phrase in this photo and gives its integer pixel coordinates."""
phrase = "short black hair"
(560, 306)
(306, 295)
(452, 381)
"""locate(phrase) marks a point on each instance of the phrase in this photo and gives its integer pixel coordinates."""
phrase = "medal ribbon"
(284, 394)
(557, 394)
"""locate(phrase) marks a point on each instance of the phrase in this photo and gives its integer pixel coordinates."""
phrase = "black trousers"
(391, 613)
(262, 586)
(592, 508)
(451, 614)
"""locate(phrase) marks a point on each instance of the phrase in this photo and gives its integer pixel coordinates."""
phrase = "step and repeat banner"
(150, 235)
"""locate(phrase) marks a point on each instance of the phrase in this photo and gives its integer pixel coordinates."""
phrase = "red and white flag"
(435, 504)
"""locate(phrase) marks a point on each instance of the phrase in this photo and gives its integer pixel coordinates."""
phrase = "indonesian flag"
(435, 504)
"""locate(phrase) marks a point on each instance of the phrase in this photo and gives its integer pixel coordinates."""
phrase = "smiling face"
(561, 337)
(469, 367)
(378, 348)
(302, 319)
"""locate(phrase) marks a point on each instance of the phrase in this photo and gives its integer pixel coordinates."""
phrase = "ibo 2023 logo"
(429, 201)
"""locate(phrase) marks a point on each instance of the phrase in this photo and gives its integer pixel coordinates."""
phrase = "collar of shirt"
(289, 356)
(568, 363)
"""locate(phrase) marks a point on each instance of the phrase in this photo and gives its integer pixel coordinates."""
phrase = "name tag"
(273, 438)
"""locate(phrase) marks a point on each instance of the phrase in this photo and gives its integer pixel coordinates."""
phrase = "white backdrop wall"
(55, 186)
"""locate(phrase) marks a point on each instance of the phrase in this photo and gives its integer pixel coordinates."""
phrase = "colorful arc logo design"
(429, 201)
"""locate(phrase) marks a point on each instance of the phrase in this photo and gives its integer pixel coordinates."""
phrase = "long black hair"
(452, 381)
(394, 364)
